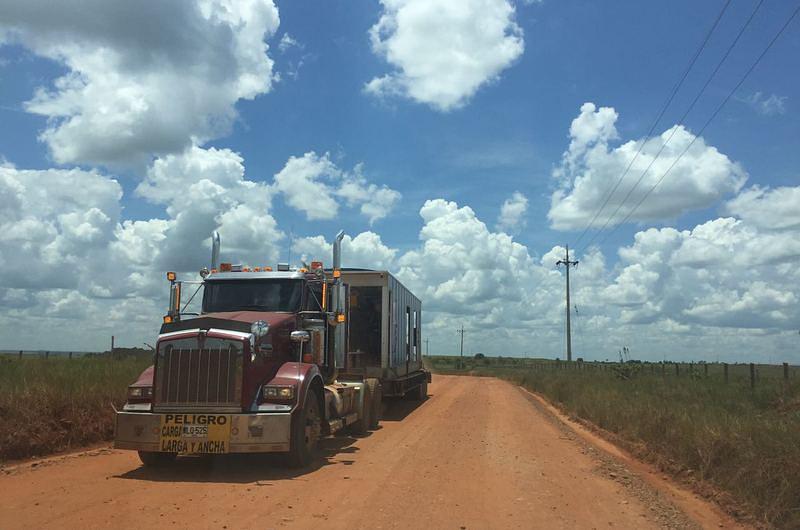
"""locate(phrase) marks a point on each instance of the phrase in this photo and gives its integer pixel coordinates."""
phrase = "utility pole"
(567, 263)
(427, 348)
(461, 360)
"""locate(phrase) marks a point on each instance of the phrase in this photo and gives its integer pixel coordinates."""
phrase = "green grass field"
(56, 404)
(743, 441)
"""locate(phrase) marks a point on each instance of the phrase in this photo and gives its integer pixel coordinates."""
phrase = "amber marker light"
(171, 276)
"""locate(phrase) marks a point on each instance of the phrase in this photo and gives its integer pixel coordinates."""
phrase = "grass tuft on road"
(52, 405)
(743, 441)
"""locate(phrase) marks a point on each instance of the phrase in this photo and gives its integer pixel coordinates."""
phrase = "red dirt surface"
(477, 454)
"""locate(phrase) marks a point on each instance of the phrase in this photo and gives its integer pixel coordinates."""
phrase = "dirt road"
(477, 454)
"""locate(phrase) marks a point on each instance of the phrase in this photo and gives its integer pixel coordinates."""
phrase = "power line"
(658, 118)
(710, 119)
(681, 120)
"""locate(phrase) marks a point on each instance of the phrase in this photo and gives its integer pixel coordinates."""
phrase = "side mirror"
(300, 336)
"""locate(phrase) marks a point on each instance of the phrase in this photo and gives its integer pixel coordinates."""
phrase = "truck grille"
(191, 377)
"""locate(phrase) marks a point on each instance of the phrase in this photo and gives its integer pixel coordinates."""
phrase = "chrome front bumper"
(250, 433)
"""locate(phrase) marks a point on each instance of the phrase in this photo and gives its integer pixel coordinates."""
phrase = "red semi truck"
(275, 360)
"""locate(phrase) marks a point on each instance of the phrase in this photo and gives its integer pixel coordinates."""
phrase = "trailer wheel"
(154, 459)
(421, 392)
(361, 426)
(306, 432)
(377, 403)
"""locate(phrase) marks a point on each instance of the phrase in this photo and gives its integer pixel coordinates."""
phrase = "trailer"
(384, 334)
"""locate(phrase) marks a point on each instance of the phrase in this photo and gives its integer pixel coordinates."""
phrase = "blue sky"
(509, 136)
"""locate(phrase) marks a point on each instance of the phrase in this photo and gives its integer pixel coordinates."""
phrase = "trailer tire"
(155, 459)
(376, 406)
(306, 432)
(371, 408)
(421, 392)
(361, 426)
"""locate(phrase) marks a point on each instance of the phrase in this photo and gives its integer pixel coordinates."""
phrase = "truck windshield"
(252, 295)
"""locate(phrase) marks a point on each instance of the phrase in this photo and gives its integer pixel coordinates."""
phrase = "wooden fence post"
(677, 369)
(70, 356)
(752, 375)
(786, 371)
(705, 370)
(20, 355)
(47, 355)
(725, 369)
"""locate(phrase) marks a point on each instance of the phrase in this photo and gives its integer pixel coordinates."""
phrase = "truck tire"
(306, 432)
(154, 459)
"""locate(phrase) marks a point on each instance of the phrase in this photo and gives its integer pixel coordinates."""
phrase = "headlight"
(140, 392)
(278, 392)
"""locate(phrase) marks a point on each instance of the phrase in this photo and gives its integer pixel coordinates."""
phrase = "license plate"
(195, 433)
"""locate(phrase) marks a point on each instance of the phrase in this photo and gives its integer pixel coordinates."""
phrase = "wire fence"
(740, 373)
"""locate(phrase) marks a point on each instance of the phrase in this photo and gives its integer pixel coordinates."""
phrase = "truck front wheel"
(306, 431)
(155, 459)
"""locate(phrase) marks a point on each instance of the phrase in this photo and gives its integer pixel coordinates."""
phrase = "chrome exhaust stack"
(337, 250)
(337, 265)
(215, 250)
(338, 305)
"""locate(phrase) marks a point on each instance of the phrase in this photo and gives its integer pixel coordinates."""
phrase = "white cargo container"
(384, 333)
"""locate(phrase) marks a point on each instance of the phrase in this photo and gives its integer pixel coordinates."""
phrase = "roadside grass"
(743, 441)
(47, 406)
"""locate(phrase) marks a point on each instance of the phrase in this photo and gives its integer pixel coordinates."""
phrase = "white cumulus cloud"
(365, 250)
(591, 167)
(314, 185)
(142, 79)
(777, 208)
(512, 213)
(443, 51)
